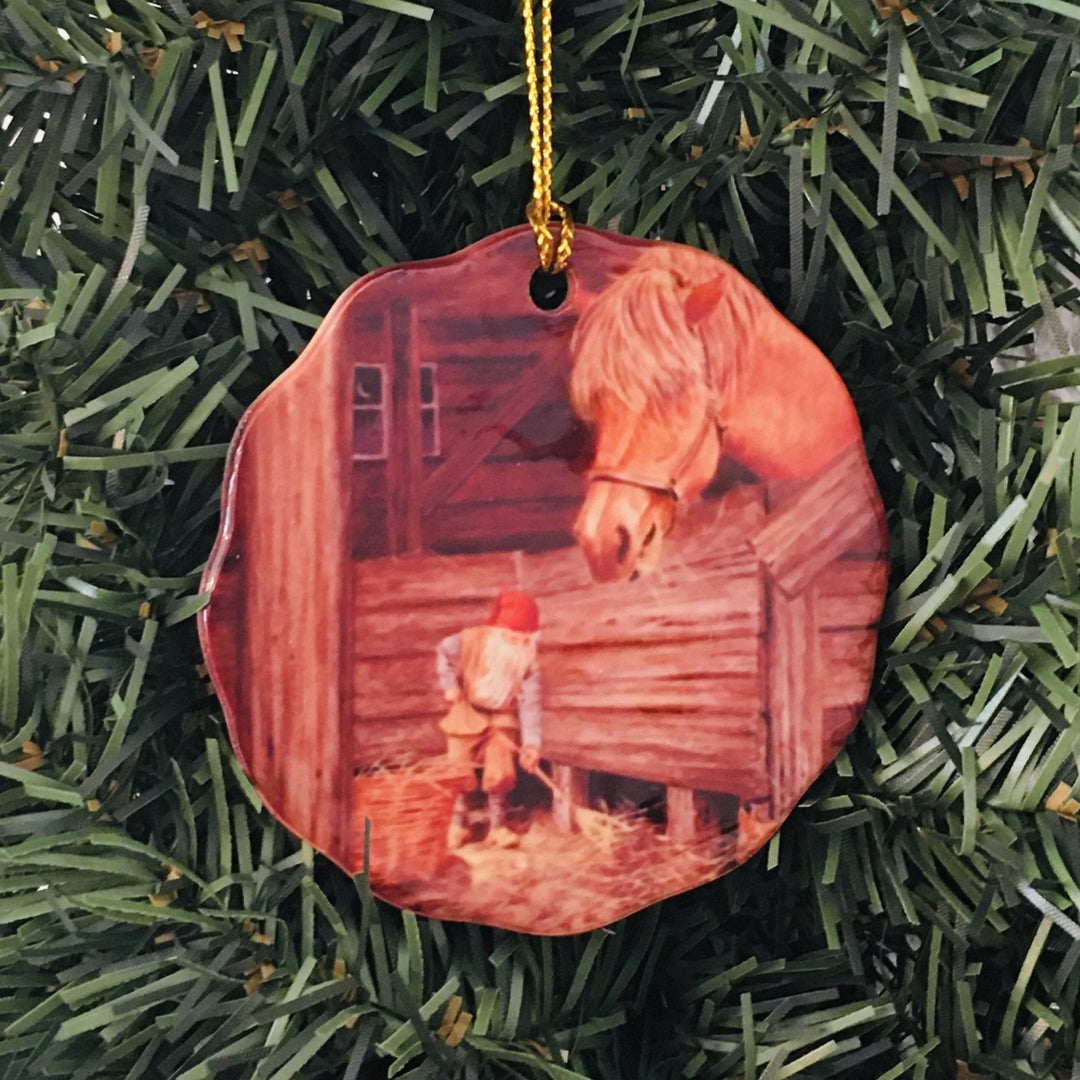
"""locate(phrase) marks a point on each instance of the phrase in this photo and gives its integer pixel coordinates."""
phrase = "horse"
(680, 364)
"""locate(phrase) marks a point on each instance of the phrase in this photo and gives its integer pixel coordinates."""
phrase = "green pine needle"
(921, 908)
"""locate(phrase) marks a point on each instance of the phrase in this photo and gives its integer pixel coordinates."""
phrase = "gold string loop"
(554, 252)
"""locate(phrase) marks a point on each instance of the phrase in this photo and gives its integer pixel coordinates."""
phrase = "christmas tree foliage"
(182, 195)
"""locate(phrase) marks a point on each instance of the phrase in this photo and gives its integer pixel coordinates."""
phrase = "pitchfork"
(594, 824)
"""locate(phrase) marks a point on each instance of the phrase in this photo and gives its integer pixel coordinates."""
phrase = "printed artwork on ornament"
(541, 616)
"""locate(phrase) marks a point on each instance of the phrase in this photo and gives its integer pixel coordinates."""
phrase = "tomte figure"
(491, 677)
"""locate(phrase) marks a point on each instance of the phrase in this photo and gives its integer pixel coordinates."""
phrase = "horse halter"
(671, 488)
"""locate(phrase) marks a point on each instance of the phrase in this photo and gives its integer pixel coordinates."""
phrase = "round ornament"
(540, 614)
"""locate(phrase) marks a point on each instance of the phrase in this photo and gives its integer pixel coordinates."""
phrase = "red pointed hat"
(515, 610)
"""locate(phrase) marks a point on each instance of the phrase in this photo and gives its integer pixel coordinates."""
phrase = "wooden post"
(682, 816)
(796, 696)
(404, 466)
(575, 783)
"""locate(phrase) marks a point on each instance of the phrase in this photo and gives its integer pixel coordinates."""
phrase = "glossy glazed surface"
(702, 660)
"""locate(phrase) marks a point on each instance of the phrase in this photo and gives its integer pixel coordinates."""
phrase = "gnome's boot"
(499, 834)
(458, 832)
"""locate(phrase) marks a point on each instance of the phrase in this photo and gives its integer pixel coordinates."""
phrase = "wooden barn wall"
(634, 675)
(293, 524)
(503, 478)
(665, 678)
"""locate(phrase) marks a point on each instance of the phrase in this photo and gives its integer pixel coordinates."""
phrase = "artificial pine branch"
(183, 194)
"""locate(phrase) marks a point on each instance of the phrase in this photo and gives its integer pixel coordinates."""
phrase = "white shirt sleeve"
(448, 661)
(530, 708)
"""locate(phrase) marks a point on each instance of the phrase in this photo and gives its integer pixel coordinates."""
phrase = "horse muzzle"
(621, 528)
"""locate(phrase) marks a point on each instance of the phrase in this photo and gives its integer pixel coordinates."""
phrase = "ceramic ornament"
(550, 613)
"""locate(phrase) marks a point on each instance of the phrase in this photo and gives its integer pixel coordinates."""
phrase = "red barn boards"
(421, 456)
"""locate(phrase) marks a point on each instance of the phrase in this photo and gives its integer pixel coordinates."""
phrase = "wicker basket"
(410, 809)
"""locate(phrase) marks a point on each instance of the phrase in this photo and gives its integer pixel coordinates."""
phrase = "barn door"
(469, 454)
(414, 492)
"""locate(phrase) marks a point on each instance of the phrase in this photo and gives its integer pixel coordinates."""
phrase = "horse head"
(642, 379)
(677, 361)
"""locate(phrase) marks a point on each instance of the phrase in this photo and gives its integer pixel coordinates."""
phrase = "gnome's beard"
(508, 657)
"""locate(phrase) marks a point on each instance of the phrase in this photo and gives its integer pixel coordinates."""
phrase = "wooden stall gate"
(825, 558)
(738, 667)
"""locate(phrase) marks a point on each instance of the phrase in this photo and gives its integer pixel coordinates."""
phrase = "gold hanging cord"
(554, 254)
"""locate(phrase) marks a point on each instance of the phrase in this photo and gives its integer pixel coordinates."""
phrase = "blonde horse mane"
(636, 342)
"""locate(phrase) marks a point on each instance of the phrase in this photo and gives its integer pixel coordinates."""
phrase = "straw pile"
(552, 883)
(559, 883)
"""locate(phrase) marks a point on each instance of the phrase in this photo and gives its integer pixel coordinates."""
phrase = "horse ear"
(703, 299)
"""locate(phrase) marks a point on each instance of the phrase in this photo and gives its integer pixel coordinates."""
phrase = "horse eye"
(624, 543)
(649, 537)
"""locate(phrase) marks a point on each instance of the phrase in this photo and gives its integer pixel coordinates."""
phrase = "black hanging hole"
(548, 291)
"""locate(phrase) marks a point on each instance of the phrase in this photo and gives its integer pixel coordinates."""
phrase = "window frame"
(431, 407)
(380, 409)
